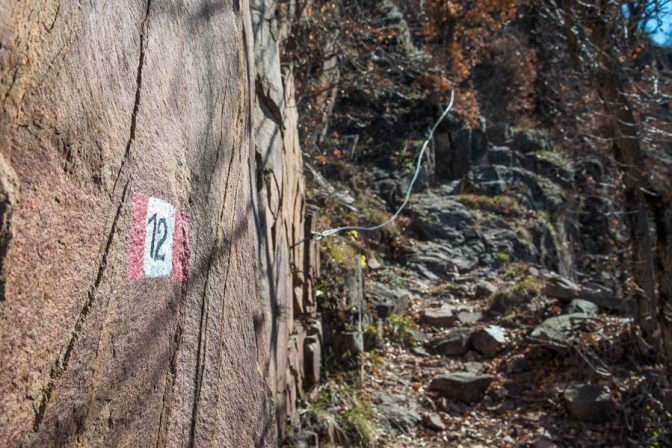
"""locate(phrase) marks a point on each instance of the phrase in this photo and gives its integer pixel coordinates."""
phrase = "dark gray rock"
(375, 290)
(424, 271)
(386, 299)
(531, 189)
(396, 413)
(448, 240)
(499, 134)
(473, 366)
(559, 327)
(462, 264)
(486, 173)
(342, 195)
(479, 146)
(443, 258)
(580, 306)
(434, 422)
(501, 155)
(401, 418)
(418, 336)
(601, 296)
(420, 351)
(552, 168)
(458, 290)
(348, 342)
(590, 402)
(450, 188)
(490, 340)
(564, 289)
(468, 148)
(539, 192)
(451, 213)
(519, 364)
(463, 386)
(516, 388)
(394, 16)
(440, 317)
(484, 290)
(504, 240)
(561, 288)
(439, 216)
(455, 343)
(469, 317)
(447, 211)
(545, 239)
(488, 180)
(527, 142)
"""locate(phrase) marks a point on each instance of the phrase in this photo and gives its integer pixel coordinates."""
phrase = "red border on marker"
(181, 251)
(136, 238)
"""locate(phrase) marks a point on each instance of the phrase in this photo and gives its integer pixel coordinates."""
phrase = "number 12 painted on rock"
(158, 244)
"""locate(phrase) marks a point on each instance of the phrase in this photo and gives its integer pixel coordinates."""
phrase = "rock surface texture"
(464, 386)
(287, 269)
(114, 114)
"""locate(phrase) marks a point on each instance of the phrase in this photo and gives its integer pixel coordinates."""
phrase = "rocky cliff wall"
(292, 335)
(146, 259)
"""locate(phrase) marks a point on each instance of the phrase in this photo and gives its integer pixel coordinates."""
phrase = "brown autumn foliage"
(463, 32)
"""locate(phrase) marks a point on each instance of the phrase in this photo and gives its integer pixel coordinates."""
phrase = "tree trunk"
(629, 157)
(594, 20)
(662, 208)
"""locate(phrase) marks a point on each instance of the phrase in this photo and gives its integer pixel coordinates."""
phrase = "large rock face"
(130, 234)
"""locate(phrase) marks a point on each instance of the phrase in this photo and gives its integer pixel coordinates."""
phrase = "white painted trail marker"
(158, 243)
(158, 260)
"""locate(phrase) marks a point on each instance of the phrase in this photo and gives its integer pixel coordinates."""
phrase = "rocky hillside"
(167, 170)
(476, 329)
(493, 311)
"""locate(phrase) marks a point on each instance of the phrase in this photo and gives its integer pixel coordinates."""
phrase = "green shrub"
(390, 277)
(342, 413)
(399, 327)
(524, 291)
(558, 158)
(338, 250)
(502, 257)
(500, 204)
